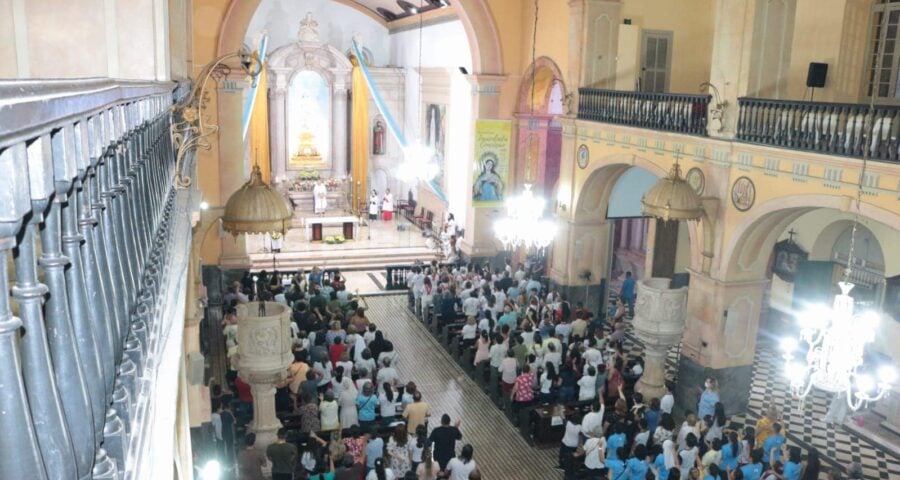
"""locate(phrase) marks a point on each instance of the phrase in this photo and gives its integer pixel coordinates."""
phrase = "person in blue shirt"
(509, 317)
(636, 466)
(730, 452)
(366, 403)
(374, 449)
(708, 399)
(627, 292)
(713, 473)
(772, 445)
(615, 442)
(793, 466)
(614, 465)
(754, 469)
(658, 462)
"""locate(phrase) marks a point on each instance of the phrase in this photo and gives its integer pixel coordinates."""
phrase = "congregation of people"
(539, 350)
(347, 413)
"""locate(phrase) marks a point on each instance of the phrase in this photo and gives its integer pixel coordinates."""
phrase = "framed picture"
(788, 255)
(696, 180)
(743, 194)
(584, 156)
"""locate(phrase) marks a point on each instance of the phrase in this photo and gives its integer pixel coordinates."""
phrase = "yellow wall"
(817, 37)
(691, 22)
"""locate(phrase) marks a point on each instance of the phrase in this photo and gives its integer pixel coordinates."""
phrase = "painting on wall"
(492, 139)
(435, 137)
(309, 117)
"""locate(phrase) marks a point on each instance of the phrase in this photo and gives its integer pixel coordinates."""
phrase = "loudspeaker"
(816, 76)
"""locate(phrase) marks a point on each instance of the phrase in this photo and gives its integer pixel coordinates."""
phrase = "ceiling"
(393, 10)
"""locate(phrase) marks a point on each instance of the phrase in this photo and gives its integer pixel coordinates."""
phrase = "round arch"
(475, 15)
(746, 253)
(592, 196)
(546, 74)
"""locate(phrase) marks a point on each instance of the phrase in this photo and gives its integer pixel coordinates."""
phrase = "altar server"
(387, 206)
(373, 206)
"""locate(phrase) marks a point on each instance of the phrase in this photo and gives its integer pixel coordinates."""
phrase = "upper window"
(882, 79)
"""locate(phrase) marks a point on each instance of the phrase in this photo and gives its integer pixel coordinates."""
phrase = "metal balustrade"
(669, 112)
(86, 215)
(829, 128)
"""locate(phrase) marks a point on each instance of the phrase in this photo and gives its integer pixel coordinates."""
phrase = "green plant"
(334, 239)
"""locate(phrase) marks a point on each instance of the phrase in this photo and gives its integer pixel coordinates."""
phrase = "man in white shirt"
(667, 402)
(470, 305)
(592, 356)
(592, 423)
(553, 356)
(520, 273)
(570, 442)
(387, 374)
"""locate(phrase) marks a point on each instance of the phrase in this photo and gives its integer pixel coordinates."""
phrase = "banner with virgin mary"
(491, 172)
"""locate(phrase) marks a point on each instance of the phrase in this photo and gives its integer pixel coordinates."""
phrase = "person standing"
(387, 206)
(226, 420)
(320, 198)
(444, 440)
(251, 460)
(460, 467)
(627, 292)
(283, 456)
(373, 206)
(416, 413)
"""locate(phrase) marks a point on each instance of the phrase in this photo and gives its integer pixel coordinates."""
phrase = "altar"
(315, 226)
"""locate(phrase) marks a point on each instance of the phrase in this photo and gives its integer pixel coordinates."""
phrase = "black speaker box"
(816, 75)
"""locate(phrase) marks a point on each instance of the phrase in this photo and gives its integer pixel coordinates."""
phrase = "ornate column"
(339, 132)
(264, 354)
(479, 240)
(659, 322)
(719, 340)
(233, 167)
(277, 121)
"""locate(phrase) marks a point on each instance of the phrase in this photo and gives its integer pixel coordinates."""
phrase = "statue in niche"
(378, 138)
(309, 29)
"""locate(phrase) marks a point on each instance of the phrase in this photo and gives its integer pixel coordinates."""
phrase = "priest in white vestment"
(320, 198)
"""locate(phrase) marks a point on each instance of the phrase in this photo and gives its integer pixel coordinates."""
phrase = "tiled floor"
(837, 445)
(500, 452)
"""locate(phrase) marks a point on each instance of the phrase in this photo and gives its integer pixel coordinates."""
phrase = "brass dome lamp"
(672, 198)
(255, 207)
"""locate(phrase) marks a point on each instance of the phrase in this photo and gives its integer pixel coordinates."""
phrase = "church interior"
(461, 239)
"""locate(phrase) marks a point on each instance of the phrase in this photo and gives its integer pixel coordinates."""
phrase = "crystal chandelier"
(837, 338)
(524, 225)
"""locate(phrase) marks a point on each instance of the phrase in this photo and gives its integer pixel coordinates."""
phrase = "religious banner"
(492, 138)
(788, 255)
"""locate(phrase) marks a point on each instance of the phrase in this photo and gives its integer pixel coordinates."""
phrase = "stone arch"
(745, 254)
(546, 75)
(475, 15)
(593, 194)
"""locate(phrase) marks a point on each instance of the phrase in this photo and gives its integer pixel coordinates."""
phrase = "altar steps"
(347, 259)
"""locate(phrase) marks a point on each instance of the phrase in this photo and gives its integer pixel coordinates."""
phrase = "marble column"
(277, 118)
(479, 241)
(234, 170)
(339, 132)
(730, 72)
(659, 322)
(264, 354)
(719, 340)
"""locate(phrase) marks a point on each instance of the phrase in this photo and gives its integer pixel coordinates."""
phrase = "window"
(656, 61)
(883, 60)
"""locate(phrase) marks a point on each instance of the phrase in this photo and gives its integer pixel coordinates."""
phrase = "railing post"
(20, 453)
(43, 392)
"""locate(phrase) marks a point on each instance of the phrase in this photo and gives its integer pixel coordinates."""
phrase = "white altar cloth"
(308, 222)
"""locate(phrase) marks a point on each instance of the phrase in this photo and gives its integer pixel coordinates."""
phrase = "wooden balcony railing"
(830, 128)
(669, 112)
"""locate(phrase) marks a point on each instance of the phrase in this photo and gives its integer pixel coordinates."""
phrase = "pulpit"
(658, 322)
(264, 354)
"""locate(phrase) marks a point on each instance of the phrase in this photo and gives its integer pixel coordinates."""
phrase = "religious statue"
(309, 29)
(378, 138)
(488, 186)
(373, 206)
(320, 198)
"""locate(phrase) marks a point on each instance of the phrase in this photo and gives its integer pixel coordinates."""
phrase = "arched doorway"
(539, 133)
